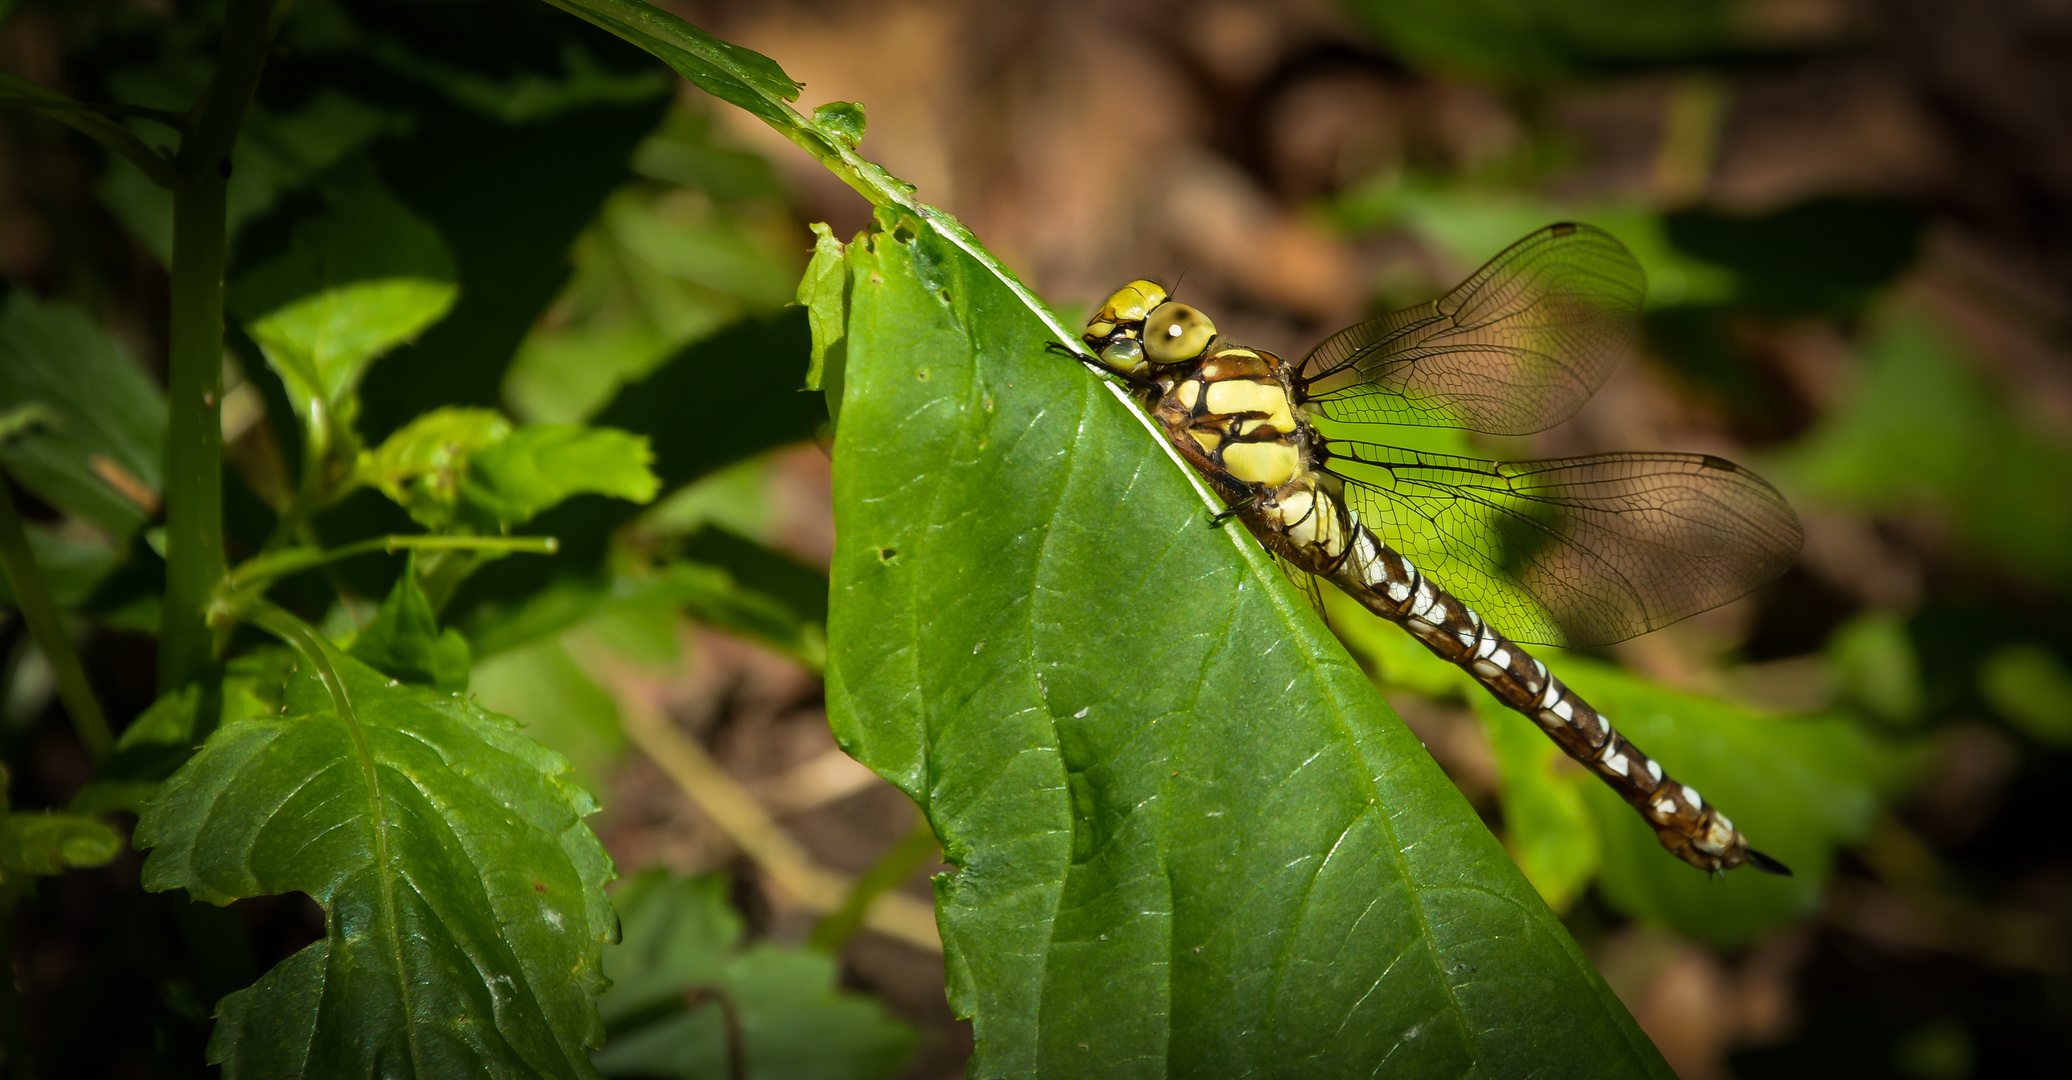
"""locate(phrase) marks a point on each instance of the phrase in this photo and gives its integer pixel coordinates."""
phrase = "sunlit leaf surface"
(1190, 838)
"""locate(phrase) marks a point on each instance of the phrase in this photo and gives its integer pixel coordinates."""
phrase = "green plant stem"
(40, 610)
(93, 121)
(194, 378)
(895, 866)
(265, 568)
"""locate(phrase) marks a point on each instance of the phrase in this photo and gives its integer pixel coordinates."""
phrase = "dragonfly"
(1574, 551)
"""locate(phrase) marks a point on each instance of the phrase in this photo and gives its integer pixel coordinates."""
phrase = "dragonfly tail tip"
(1767, 864)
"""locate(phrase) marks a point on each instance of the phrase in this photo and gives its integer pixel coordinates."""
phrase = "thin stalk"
(93, 121)
(40, 610)
(249, 581)
(194, 378)
(293, 560)
(893, 867)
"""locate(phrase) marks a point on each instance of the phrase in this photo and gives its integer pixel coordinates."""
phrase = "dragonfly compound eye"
(1176, 333)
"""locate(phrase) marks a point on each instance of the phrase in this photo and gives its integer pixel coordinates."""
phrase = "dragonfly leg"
(1218, 518)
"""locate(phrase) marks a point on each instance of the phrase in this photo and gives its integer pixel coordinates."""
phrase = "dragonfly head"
(1140, 326)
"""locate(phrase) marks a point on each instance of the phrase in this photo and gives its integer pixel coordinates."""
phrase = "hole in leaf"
(886, 554)
(279, 926)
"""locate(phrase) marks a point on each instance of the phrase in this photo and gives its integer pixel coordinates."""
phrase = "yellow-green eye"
(1176, 333)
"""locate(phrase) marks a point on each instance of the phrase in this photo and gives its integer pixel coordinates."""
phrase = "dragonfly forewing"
(1517, 348)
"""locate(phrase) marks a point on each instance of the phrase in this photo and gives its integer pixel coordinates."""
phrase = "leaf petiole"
(244, 583)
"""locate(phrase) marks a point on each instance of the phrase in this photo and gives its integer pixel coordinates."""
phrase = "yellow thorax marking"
(1269, 463)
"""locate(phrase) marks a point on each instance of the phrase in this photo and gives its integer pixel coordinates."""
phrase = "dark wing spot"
(1720, 463)
(1562, 228)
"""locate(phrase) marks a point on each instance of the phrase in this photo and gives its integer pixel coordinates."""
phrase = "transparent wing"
(1517, 348)
(1575, 551)
(1306, 584)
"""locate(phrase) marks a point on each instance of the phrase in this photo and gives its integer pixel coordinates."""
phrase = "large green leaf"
(93, 440)
(464, 900)
(1190, 837)
(683, 944)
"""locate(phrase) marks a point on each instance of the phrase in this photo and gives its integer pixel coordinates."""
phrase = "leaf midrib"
(341, 699)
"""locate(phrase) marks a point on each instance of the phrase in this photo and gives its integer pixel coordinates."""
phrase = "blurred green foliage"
(1540, 40)
(687, 992)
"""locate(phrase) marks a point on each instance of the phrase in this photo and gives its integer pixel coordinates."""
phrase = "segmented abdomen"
(1386, 583)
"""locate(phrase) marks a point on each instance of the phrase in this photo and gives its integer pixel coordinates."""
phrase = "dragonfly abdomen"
(1386, 582)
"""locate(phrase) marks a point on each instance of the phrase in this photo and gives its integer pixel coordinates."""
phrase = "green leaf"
(1798, 788)
(686, 152)
(1548, 823)
(404, 641)
(1190, 837)
(757, 84)
(681, 938)
(724, 581)
(510, 200)
(420, 466)
(772, 598)
(2030, 686)
(823, 292)
(168, 733)
(540, 465)
(1536, 40)
(282, 149)
(94, 440)
(1873, 665)
(355, 282)
(844, 119)
(729, 72)
(657, 269)
(449, 854)
(542, 687)
(73, 564)
(42, 843)
(1923, 432)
